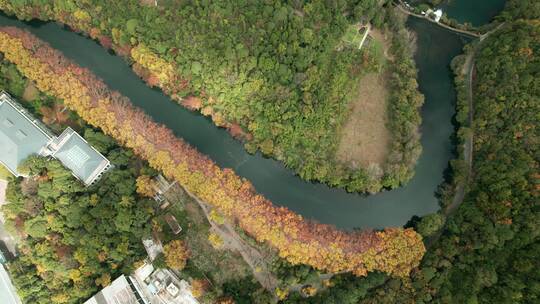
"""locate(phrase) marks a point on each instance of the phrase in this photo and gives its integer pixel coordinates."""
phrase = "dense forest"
(213, 274)
(278, 74)
(488, 251)
(74, 240)
(393, 250)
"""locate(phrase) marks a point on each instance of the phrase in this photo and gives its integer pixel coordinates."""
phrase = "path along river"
(436, 48)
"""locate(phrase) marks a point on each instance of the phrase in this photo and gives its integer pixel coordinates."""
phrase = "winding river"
(436, 48)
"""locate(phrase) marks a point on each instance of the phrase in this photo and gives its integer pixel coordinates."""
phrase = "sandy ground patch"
(3, 187)
(30, 92)
(365, 138)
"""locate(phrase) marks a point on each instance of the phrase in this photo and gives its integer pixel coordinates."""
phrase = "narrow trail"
(257, 261)
(468, 68)
(232, 241)
(468, 147)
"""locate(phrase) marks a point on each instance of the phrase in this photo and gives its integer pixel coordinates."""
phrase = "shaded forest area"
(276, 73)
(488, 252)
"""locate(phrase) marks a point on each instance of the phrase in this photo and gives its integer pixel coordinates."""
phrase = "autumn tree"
(176, 254)
(215, 240)
(297, 240)
(199, 287)
(146, 186)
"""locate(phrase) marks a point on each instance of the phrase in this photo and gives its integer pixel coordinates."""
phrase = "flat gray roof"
(8, 294)
(82, 159)
(20, 135)
(118, 292)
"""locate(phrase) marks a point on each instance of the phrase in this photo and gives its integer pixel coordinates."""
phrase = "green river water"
(436, 48)
(475, 12)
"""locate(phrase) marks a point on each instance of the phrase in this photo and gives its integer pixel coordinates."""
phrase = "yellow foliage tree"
(309, 291)
(104, 280)
(216, 217)
(282, 294)
(145, 186)
(215, 240)
(176, 254)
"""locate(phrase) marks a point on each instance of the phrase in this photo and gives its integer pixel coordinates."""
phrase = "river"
(436, 48)
(475, 12)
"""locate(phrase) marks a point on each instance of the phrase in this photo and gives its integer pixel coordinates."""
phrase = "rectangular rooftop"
(86, 163)
(21, 135)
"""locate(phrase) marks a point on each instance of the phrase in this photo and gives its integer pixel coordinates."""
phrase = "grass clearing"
(365, 139)
(352, 35)
(220, 266)
(4, 173)
(30, 92)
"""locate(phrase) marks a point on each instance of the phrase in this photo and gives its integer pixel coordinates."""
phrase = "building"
(437, 15)
(163, 286)
(123, 290)
(21, 135)
(146, 286)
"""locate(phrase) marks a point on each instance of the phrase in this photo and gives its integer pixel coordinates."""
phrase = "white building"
(437, 15)
(162, 286)
(22, 135)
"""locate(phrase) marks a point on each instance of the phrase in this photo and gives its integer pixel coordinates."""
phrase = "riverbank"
(312, 201)
(289, 233)
(290, 112)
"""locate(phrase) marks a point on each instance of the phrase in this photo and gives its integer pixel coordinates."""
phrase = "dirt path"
(468, 147)
(253, 257)
(468, 68)
(232, 241)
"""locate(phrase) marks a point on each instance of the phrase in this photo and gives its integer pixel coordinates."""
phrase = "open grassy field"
(365, 138)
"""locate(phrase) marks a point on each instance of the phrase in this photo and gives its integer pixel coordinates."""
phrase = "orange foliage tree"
(199, 287)
(394, 251)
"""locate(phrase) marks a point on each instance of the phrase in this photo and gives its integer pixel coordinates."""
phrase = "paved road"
(8, 295)
(3, 186)
(4, 235)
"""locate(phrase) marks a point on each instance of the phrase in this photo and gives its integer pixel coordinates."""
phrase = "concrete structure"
(438, 15)
(162, 286)
(146, 286)
(120, 291)
(153, 247)
(85, 162)
(21, 135)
